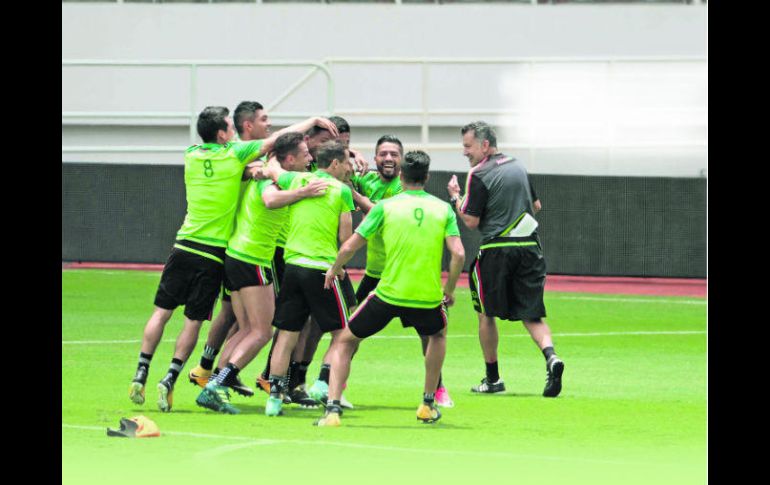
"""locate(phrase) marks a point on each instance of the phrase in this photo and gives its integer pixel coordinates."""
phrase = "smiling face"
(259, 128)
(388, 160)
(474, 150)
(297, 162)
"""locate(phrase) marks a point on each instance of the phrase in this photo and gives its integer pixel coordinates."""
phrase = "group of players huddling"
(269, 225)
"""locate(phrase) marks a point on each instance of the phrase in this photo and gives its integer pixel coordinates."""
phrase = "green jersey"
(212, 177)
(314, 222)
(256, 227)
(414, 225)
(372, 186)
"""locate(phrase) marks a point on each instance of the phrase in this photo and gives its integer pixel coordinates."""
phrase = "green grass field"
(632, 410)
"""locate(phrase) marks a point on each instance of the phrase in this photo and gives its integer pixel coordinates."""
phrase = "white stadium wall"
(642, 114)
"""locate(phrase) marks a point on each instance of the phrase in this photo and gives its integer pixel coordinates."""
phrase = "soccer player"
(414, 226)
(311, 333)
(370, 189)
(311, 245)
(194, 271)
(251, 122)
(508, 274)
(248, 265)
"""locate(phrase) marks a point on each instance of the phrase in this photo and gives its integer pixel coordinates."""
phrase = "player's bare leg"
(488, 337)
(434, 359)
(341, 350)
(153, 332)
(541, 334)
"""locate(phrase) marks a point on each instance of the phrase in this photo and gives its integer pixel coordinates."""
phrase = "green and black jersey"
(413, 226)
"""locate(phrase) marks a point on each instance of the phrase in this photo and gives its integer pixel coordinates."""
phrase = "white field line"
(412, 336)
(627, 300)
(247, 442)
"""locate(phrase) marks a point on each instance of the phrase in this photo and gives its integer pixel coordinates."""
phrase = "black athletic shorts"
(507, 279)
(303, 293)
(192, 280)
(374, 314)
(346, 285)
(278, 267)
(366, 286)
(239, 274)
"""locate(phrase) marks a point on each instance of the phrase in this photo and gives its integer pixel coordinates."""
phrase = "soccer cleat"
(136, 392)
(299, 396)
(319, 391)
(165, 396)
(241, 388)
(428, 413)
(216, 398)
(345, 403)
(263, 384)
(489, 387)
(555, 368)
(443, 399)
(273, 406)
(330, 419)
(199, 376)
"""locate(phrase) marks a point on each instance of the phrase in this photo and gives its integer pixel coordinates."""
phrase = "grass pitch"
(632, 409)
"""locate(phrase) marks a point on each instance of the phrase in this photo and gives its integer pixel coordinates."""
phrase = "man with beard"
(369, 190)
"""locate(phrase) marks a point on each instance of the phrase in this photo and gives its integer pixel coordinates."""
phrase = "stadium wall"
(589, 225)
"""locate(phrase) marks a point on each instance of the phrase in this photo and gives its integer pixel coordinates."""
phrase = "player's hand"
(453, 187)
(449, 299)
(327, 125)
(256, 170)
(361, 164)
(331, 275)
(314, 188)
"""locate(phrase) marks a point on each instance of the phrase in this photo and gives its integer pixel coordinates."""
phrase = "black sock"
(548, 352)
(492, 372)
(143, 366)
(333, 406)
(207, 359)
(276, 385)
(293, 374)
(266, 371)
(302, 371)
(324, 374)
(439, 382)
(173, 372)
(428, 398)
(227, 375)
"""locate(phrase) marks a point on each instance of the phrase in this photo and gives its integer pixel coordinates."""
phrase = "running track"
(580, 284)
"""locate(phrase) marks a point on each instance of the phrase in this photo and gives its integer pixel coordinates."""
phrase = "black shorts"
(302, 294)
(239, 274)
(278, 268)
(191, 280)
(367, 285)
(508, 281)
(346, 285)
(374, 314)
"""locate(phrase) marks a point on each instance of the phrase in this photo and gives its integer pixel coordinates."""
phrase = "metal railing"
(326, 67)
(191, 114)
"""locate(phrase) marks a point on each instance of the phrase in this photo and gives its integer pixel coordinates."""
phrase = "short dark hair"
(246, 110)
(481, 131)
(341, 124)
(210, 121)
(389, 139)
(329, 151)
(287, 144)
(314, 130)
(415, 167)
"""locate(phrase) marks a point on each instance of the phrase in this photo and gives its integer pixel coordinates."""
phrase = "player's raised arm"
(301, 127)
